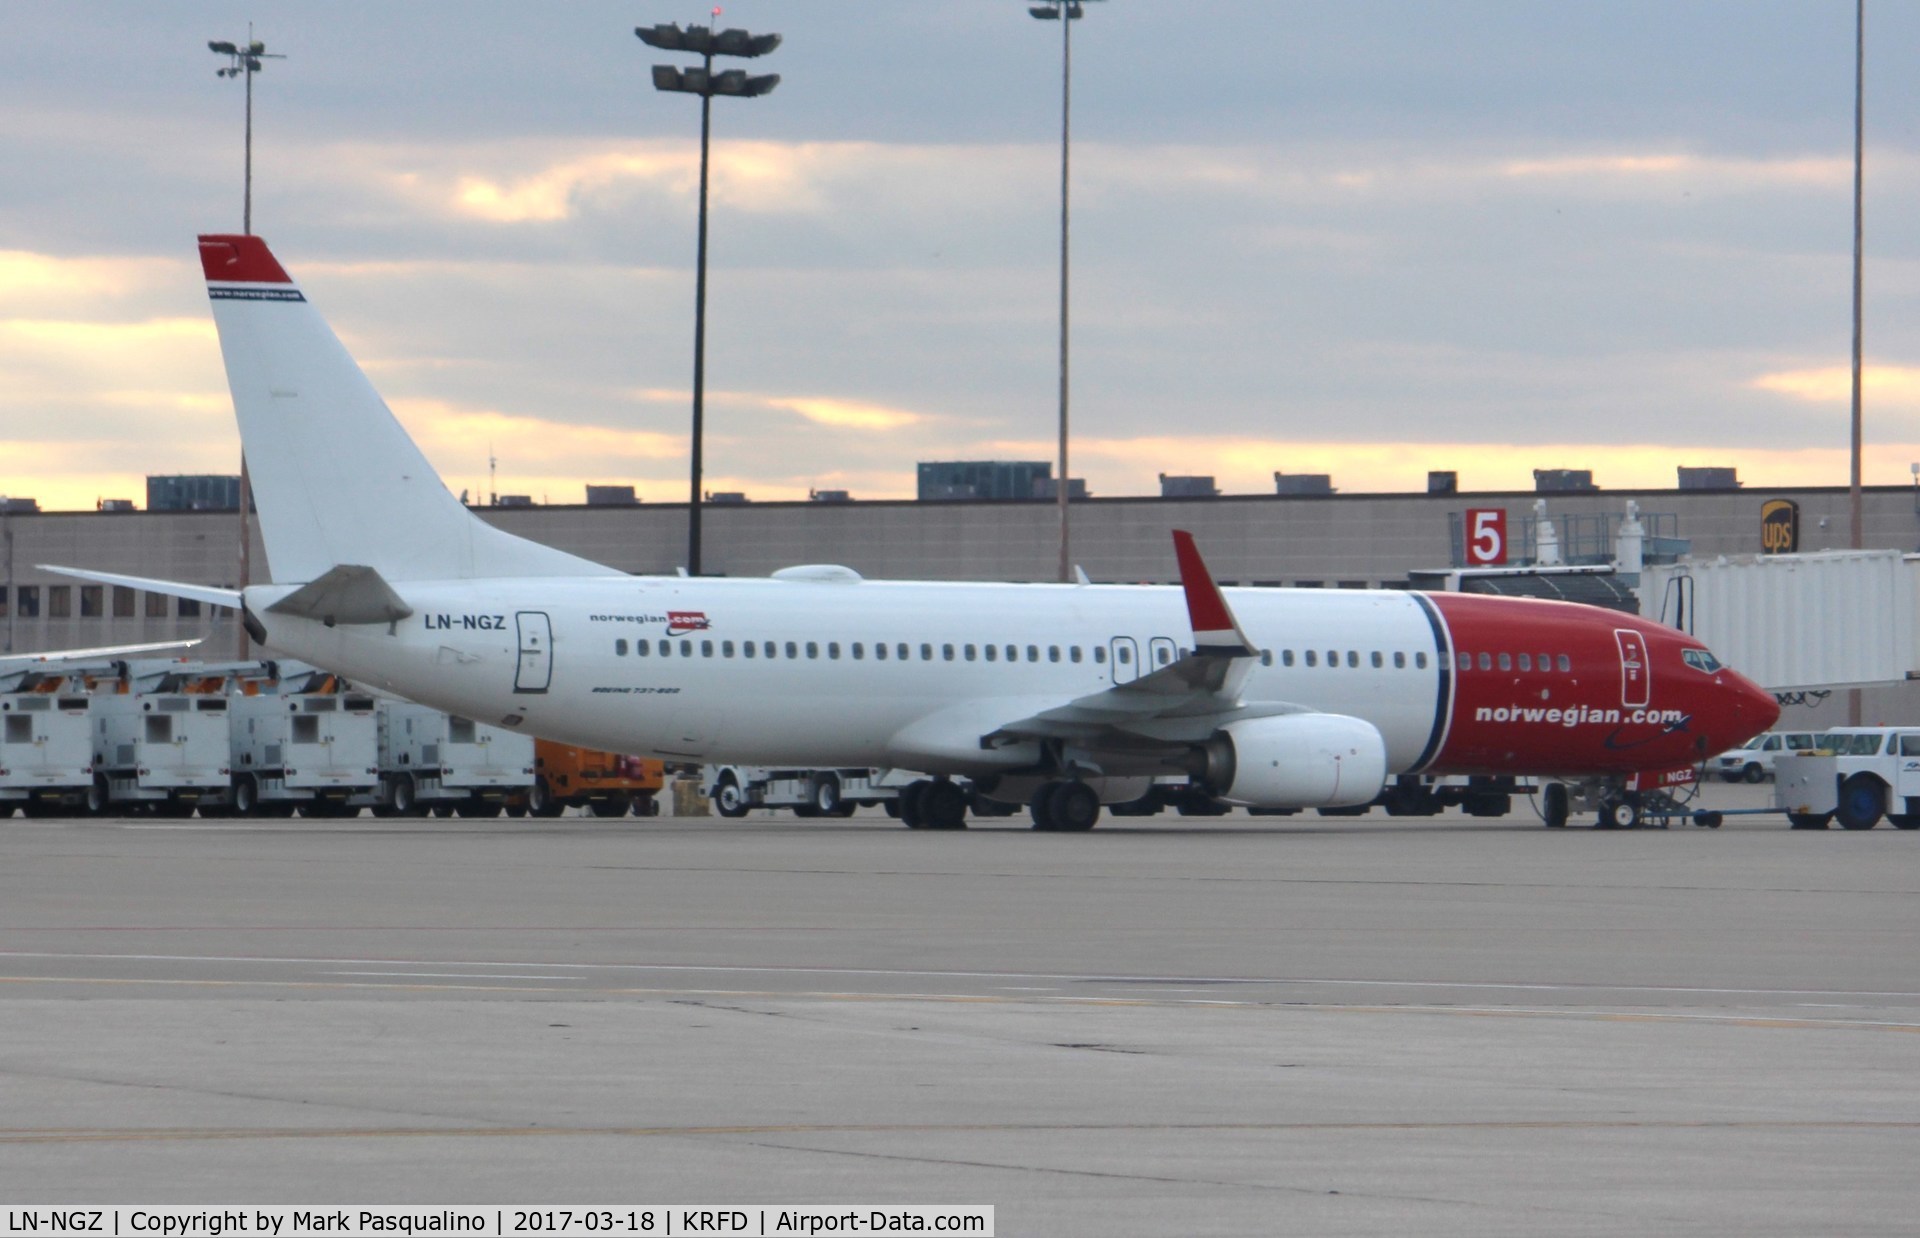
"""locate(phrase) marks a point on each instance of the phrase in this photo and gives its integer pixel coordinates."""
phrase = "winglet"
(1215, 630)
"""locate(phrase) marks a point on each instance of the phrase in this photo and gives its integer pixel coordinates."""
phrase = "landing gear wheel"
(728, 799)
(1041, 806)
(1863, 801)
(1553, 805)
(1620, 814)
(913, 804)
(246, 796)
(1074, 806)
(824, 795)
(406, 800)
(943, 806)
(541, 801)
(99, 798)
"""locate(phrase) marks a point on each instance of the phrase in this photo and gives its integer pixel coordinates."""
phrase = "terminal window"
(122, 602)
(92, 601)
(59, 602)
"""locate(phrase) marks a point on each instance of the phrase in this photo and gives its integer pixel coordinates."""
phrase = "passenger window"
(1166, 656)
(813, 649)
(643, 647)
(1546, 662)
(1526, 661)
(706, 649)
(1378, 660)
(620, 648)
(1353, 659)
(879, 651)
(726, 649)
(686, 649)
(903, 653)
(1100, 655)
(1013, 653)
(1564, 664)
(1125, 654)
(1073, 654)
(1313, 658)
(926, 653)
(1333, 657)
(1486, 662)
(946, 651)
(859, 652)
(1266, 657)
(1506, 662)
(1053, 653)
(666, 649)
(833, 650)
(747, 648)
(793, 650)
(1399, 659)
(991, 653)
(1033, 653)
(1420, 660)
(1286, 657)
(970, 651)
(1466, 661)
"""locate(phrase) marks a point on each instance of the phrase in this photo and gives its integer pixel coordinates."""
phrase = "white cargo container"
(315, 750)
(46, 746)
(163, 749)
(736, 789)
(431, 760)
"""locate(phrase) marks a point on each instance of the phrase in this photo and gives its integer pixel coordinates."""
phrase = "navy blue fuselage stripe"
(255, 294)
(1443, 689)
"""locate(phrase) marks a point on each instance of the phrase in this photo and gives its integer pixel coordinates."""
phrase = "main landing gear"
(1064, 806)
(933, 804)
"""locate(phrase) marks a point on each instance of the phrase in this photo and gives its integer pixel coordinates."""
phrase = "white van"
(1754, 763)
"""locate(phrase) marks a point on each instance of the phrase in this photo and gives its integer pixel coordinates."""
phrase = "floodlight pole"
(703, 41)
(1066, 12)
(1854, 700)
(244, 60)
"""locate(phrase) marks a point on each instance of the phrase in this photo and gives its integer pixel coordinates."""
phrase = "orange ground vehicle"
(605, 783)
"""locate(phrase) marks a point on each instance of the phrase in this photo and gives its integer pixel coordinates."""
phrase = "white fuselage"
(842, 674)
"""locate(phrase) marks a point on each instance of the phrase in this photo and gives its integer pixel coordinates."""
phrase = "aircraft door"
(535, 669)
(1124, 654)
(1635, 672)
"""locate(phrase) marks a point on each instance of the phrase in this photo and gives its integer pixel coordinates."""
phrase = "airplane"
(1063, 697)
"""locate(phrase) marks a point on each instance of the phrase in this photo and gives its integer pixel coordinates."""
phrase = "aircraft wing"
(104, 653)
(1181, 703)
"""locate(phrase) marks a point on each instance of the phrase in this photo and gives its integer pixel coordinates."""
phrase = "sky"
(1369, 239)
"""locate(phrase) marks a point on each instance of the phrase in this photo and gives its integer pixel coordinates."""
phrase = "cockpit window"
(1701, 660)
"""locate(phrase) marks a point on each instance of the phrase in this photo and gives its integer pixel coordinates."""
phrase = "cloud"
(850, 414)
(1882, 384)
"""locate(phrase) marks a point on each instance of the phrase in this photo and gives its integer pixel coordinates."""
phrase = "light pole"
(703, 81)
(1066, 12)
(6, 536)
(244, 62)
(1858, 530)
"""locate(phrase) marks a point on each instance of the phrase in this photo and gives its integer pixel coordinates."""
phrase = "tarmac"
(1171, 1025)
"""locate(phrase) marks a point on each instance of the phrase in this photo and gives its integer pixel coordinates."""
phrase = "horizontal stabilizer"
(209, 594)
(349, 593)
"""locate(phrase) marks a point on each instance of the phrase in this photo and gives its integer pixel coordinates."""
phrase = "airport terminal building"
(1313, 540)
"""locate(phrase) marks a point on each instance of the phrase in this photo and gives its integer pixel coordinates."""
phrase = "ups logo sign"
(1779, 527)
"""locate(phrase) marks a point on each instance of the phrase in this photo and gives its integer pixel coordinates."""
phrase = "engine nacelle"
(1297, 761)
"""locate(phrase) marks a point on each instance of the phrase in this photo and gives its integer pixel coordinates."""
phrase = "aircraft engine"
(1296, 761)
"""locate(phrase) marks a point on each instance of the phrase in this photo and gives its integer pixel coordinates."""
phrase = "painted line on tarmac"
(1069, 977)
(1617, 1016)
(29, 1135)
